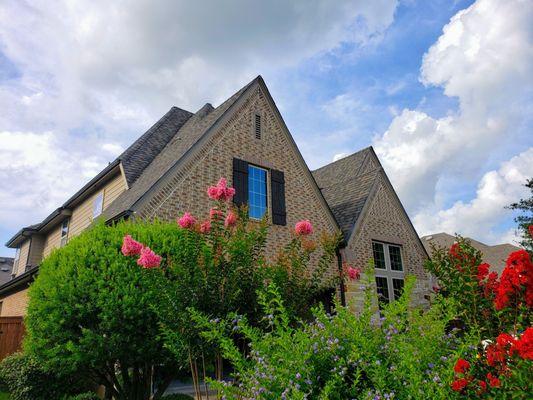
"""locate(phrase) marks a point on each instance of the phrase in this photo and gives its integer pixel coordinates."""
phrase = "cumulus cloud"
(80, 80)
(480, 217)
(484, 58)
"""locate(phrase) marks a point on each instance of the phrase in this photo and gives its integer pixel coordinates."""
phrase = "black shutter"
(279, 214)
(240, 181)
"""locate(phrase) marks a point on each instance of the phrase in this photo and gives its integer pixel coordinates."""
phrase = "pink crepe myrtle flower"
(148, 258)
(215, 213)
(354, 273)
(303, 228)
(205, 227)
(221, 191)
(187, 221)
(231, 219)
(131, 247)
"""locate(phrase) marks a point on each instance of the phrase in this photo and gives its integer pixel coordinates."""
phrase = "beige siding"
(82, 215)
(36, 250)
(113, 189)
(15, 305)
(53, 239)
(23, 258)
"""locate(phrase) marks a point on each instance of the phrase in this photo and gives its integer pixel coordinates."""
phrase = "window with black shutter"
(279, 213)
(240, 182)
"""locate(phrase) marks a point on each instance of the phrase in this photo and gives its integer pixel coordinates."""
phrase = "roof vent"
(428, 238)
(257, 126)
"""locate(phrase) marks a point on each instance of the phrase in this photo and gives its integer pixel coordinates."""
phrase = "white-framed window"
(389, 271)
(98, 204)
(257, 191)
(64, 231)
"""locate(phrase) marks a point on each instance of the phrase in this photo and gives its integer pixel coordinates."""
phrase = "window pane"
(397, 285)
(97, 205)
(257, 193)
(382, 289)
(379, 255)
(395, 258)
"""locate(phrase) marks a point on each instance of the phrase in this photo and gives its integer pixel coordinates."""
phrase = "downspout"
(342, 287)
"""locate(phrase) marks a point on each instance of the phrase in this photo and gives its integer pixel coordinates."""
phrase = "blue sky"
(441, 89)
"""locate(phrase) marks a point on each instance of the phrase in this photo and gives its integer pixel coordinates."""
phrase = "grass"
(4, 396)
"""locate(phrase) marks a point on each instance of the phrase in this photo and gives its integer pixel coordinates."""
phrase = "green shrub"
(405, 354)
(91, 309)
(25, 379)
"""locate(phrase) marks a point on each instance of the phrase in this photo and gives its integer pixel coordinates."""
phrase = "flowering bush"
(406, 354)
(497, 307)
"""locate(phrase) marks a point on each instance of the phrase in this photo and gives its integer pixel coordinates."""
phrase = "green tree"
(92, 309)
(525, 220)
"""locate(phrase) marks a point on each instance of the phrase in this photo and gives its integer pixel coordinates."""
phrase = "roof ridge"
(344, 158)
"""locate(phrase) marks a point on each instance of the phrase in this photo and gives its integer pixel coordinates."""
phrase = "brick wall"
(186, 189)
(15, 304)
(385, 221)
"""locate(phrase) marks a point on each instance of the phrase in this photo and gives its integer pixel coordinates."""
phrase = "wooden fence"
(11, 334)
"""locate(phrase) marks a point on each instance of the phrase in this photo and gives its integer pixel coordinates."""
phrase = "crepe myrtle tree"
(92, 309)
(220, 269)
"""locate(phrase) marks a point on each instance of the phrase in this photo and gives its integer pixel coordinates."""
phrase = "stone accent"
(186, 189)
(15, 305)
(384, 220)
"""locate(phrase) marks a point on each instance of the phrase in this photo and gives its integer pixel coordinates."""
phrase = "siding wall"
(15, 304)
(82, 215)
(36, 250)
(23, 258)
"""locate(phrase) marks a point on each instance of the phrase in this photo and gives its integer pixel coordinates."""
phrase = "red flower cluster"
(461, 368)
(516, 281)
(221, 191)
(147, 257)
(459, 257)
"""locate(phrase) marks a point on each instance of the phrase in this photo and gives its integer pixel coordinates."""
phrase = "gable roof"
(186, 137)
(346, 184)
(495, 255)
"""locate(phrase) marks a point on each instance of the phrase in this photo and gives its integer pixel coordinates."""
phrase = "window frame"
(64, 232)
(266, 170)
(388, 273)
(100, 198)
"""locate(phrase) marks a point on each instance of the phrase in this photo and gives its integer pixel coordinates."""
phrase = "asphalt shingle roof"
(181, 142)
(346, 185)
(495, 255)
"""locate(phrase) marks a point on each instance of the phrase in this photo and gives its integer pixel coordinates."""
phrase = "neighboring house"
(495, 255)
(167, 170)
(6, 268)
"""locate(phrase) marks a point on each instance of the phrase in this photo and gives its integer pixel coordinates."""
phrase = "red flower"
(482, 271)
(459, 384)
(205, 227)
(231, 219)
(131, 247)
(187, 221)
(516, 281)
(482, 386)
(303, 228)
(148, 258)
(493, 380)
(524, 346)
(354, 273)
(461, 366)
(221, 191)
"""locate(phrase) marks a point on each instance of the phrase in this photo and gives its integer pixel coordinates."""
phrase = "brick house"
(166, 171)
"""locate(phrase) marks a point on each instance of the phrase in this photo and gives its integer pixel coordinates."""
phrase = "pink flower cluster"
(147, 257)
(303, 228)
(221, 191)
(187, 221)
(354, 273)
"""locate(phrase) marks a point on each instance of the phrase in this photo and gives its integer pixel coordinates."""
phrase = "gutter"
(16, 283)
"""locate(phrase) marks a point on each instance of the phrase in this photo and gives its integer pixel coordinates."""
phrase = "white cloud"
(480, 217)
(88, 76)
(484, 57)
(340, 156)
(37, 176)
